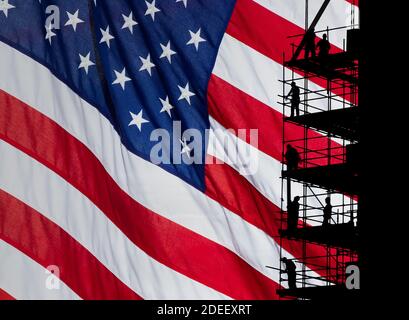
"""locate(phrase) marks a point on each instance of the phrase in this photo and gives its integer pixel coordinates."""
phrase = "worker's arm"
(289, 94)
(298, 156)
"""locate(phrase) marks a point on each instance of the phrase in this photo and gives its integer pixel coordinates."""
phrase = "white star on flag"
(185, 148)
(166, 106)
(106, 36)
(73, 20)
(85, 62)
(185, 93)
(184, 2)
(121, 78)
(129, 22)
(49, 33)
(5, 6)
(147, 64)
(137, 120)
(167, 52)
(151, 10)
(195, 38)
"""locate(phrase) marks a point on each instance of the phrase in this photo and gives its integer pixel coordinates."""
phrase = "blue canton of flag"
(143, 64)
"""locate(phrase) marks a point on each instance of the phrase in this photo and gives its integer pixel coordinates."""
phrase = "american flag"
(81, 95)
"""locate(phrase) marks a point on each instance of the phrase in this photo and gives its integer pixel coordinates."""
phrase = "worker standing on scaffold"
(295, 99)
(327, 212)
(292, 158)
(323, 47)
(310, 43)
(290, 269)
(293, 209)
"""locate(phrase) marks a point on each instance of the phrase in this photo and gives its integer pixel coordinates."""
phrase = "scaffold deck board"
(337, 177)
(330, 67)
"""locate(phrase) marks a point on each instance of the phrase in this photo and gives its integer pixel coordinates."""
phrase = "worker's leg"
(313, 54)
(290, 224)
(306, 52)
(290, 165)
(292, 281)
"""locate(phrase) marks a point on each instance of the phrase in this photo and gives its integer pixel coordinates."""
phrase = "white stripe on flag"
(256, 74)
(64, 205)
(337, 14)
(267, 178)
(25, 279)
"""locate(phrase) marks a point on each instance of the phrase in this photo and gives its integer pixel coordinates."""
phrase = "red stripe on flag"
(354, 2)
(189, 252)
(268, 33)
(235, 193)
(48, 244)
(234, 109)
(5, 296)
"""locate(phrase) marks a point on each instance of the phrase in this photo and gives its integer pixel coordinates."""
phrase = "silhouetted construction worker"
(290, 269)
(293, 209)
(327, 212)
(323, 47)
(295, 99)
(292, 158)
(310, 43)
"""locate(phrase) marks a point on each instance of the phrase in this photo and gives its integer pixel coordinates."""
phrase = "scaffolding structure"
(326, 136)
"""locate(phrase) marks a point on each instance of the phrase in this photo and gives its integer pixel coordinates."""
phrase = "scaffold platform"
(338, 177)
(342, 123)
(343, 235)
(332, 67)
